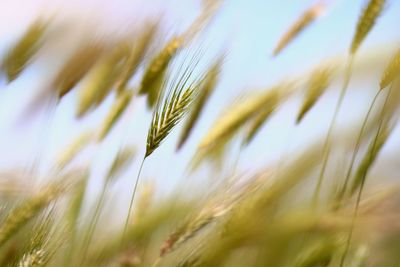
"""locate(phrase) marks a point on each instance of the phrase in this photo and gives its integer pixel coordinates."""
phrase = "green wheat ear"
(366, 22)
(19, 56)
(169, 114)
(304, 21)
(317, 84)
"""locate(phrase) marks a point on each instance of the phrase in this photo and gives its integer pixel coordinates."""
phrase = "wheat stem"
(93, 222)
(131, 202)
(327, 143)
(355, 151)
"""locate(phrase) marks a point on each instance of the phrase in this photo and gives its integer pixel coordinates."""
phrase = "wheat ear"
(19, 56)
(387, 78)
(317, 84)
(366, 22)
(304, 21)
(364, 26)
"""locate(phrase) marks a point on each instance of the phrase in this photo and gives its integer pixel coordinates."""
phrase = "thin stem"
(93, 222)
(346, 250)
(348, 242)
(131, 202)
(355, 151)
(327, 144)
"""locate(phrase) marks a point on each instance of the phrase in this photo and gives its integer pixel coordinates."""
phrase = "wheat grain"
(117, 109)
(35, 258)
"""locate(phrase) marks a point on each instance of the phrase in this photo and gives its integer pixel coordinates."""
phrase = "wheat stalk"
(382, 134)
(120, 162)
(102, 78)
(364, 26)
(370, 157)
(170, 109)
(387, 77)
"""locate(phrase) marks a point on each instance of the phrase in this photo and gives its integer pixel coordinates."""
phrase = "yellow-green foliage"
(238, 214)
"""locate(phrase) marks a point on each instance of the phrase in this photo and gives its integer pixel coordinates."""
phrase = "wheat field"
(160, 141)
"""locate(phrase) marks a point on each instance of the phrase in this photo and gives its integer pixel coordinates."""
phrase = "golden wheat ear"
(117, 110)
(102, 78)
(21, 54)
(304, 21)
(392, 71)
(28, 209)
(276, 99)
(317, 84)
(170, 112)
(77, 66)
(366, 22)
(239, 114)
(137, 53)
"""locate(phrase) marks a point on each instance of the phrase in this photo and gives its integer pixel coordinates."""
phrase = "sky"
(247, 29)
